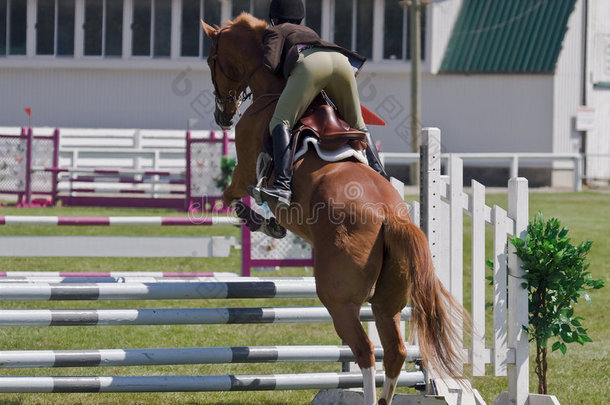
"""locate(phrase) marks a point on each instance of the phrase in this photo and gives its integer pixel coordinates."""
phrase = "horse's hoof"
(273, 228)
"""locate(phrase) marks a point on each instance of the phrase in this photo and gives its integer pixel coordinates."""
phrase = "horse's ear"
(210, 31)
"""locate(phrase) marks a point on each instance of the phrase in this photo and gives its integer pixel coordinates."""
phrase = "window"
(353, 25)
(152, 24)
(396, 44)
(193, 40)
(55, 27)
(103, 28)
(3, 26)
(13, 22)
(258, 8)
(313, 15)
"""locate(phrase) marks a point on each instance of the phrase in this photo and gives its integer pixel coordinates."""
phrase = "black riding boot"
(373, 157)
(280, 191)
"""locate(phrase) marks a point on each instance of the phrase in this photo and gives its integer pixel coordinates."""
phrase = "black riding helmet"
(287, 11)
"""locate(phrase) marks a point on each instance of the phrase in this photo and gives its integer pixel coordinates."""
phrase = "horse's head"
(233, 59)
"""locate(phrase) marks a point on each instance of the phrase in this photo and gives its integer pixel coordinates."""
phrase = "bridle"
(234, 96)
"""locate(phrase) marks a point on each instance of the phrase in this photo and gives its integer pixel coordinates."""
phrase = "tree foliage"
(227, 165)
(557, 277)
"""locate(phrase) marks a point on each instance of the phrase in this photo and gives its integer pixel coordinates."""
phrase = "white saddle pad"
(345, 152)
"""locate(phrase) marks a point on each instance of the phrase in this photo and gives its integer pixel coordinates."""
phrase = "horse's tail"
(435, 314)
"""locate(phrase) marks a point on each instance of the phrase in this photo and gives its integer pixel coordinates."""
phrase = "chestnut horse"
(366, 248)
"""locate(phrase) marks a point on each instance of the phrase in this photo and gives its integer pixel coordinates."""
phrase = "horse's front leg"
(239, 182)
(232, 197)
(248, 146)
(253, 220)
(256, 222)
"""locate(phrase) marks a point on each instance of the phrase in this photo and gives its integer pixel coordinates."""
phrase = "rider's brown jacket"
(281, 51)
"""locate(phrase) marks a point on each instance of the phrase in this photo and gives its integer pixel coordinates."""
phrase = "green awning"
(507, 36)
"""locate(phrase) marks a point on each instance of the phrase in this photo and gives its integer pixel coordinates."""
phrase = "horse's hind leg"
(387, 303)
(394, 351)
(342, 290)
(346, 319)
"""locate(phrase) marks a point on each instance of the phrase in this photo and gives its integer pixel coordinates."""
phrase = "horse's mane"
(247, 20)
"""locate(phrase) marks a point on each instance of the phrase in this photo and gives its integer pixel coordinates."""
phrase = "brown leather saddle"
(322, 122)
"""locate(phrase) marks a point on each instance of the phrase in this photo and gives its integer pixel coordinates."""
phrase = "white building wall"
(568, 81)
(477, 113)
(441, 19)
(490, 113)
(483, 113)
(598, 90)
(480, 113)
(568, 96)
(107, 98)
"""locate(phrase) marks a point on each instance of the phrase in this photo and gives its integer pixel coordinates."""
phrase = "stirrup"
(281, 198)
(262, 195)
(255, 192)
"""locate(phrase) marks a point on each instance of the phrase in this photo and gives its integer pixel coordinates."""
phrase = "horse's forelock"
(247, 20)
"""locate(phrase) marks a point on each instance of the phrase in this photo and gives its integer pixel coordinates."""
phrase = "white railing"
(513, 159)
(443, 205)
(124, 148)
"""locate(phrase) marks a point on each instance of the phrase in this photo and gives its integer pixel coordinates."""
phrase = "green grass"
(579, 377)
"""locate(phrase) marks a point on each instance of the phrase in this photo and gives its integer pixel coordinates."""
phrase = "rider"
(310, 65)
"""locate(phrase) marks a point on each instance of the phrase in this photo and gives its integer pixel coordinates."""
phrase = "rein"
(270, 97)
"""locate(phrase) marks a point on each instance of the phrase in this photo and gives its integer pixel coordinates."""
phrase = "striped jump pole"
(194, 383)
(100, 190)
(109, 276)
(118, 221)
(212, 277)
(144, 181)
(172, 316)
(112, 172)
(186, 355)
(158, 291)
(117, 280)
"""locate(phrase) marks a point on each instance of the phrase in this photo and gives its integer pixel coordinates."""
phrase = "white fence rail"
(123, 148)
(574, 161)
(444, 204)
